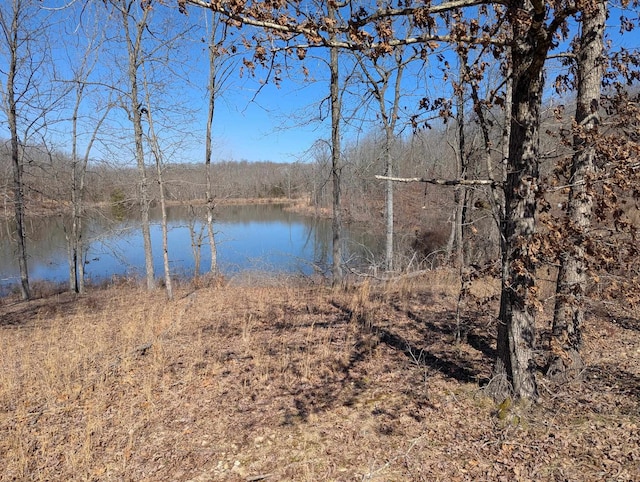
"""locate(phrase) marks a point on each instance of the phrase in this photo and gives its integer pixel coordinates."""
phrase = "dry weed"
(295, 382)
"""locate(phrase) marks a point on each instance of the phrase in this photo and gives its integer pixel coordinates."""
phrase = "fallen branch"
(442, 182)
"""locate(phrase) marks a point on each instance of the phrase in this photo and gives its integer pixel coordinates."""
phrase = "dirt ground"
(289, 381)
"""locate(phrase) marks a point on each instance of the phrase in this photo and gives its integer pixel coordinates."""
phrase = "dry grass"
(297, 383)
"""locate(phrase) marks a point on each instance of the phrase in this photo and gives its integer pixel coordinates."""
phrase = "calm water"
(255, 237)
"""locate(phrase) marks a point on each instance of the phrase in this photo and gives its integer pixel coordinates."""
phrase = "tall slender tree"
(133, 29)
(156, 151)
(82, 68)
(219, 73)
(336, 139)
(28, 99)
(11, 28)
(379, 78)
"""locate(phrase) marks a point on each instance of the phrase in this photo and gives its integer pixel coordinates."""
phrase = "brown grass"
(296, 382)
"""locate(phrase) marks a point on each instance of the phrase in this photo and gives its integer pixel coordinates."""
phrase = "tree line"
(486, 73)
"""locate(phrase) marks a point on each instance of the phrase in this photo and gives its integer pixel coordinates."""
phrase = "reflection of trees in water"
(361, 248)
(240, 213)
(116, 239)
(45, 241)
(364, 249)
(317, 234)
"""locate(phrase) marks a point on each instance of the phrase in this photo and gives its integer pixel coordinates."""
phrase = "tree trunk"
(389, 204)
(135, 113)
(516, 327)
(390, 134)
(76, 198)
(518, 303)
(76, 220)
(213, 267)
(165, 238)
(389, 118)
(157, 154)
(566, 362)
(18, 196)
(456, 240)
(336, 168)
(18, 185)
(460, 192)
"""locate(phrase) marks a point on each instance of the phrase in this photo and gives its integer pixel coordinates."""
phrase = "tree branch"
(442, 182)
(317, 39)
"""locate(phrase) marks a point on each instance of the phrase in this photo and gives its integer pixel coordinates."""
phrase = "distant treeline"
(423, 215)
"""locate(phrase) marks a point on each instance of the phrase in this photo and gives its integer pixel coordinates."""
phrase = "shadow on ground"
(469, 362)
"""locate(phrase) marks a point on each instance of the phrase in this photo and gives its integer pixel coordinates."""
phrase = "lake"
(263, 237)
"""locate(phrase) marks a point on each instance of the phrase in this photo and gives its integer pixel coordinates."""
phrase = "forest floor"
(286, 380)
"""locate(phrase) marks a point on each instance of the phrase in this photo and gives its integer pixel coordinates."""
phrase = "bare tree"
(26, 102)
(336, 165)
(389, 110)
(211, 90)
(10, 28)
(157, 156)
(218, 75)
(133, 29)
(82, 69)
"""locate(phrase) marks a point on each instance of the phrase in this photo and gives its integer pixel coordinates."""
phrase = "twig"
(255, 478)
(389, 462)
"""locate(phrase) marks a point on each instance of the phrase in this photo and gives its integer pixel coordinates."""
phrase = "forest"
(502, 135)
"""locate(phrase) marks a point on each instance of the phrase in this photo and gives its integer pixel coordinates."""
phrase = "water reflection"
(254, 237)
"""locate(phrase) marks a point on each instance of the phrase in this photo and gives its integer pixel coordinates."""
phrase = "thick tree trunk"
(566, 362)
(518, 303)
(516, 327)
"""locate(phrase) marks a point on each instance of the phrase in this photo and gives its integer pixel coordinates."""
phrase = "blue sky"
(266, 128)
(254, 121)
(275, 124)
(281, 124)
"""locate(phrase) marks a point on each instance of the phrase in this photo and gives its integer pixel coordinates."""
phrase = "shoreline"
(36, 209)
